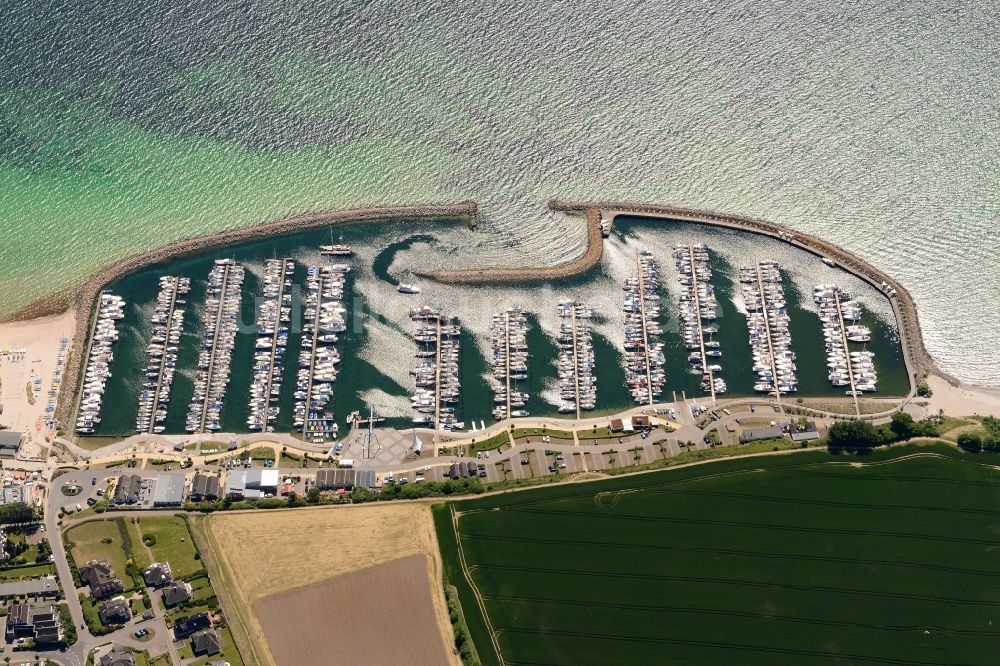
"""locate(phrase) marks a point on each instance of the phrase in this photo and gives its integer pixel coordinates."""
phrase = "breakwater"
(918, 361)
(522, 275)
(86, 297)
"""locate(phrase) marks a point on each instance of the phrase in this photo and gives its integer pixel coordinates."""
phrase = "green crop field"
(889, 558)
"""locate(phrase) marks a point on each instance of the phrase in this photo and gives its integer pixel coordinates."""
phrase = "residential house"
(99, 576)
(175, 593)
(205, 487)
(117, 657)
(186, 626)
(128, 490)
(206, 642)
(115, 611)
(157, 574)
(43, 623)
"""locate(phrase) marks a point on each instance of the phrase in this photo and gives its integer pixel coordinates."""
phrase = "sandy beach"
(961, 400)
(40, 338)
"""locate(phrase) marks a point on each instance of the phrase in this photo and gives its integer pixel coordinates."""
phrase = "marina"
(768, 327)
(273, 320)
(698, 304)
(221, 323)
(374, 361)
(644, 357)
(577, 383)
(164, 344)
(509, 336)
(99, 358)
(436, 374)
(318, 358)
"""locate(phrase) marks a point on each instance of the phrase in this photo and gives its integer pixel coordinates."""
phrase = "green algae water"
(377, 349)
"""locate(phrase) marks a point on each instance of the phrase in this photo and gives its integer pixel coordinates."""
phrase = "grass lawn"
(490, 444)
(808, 558)
(173, 544)
(162, 660)
(139, 555)
(260, 453)
(13, 574)
(538, 432)
(94, 443)
(89, 544)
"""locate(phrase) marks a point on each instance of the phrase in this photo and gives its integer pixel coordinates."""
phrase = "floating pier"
(222, 315)
(577, 384)
(509, 334)
(643, 351)
(436, 373)
(273, 317)
(768, 325)
(168, 327)
(839, 316)
(99, 358)
(324, 316)
(698, 304)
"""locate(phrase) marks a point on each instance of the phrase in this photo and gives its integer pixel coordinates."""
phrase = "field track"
(807, 559)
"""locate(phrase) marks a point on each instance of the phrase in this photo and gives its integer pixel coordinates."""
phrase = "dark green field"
(796, 559)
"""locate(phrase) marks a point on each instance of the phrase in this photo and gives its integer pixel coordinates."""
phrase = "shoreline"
(918, 361)
(83, 300)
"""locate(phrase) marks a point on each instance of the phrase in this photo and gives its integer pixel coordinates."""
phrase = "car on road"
(141, 633)
(91, 501)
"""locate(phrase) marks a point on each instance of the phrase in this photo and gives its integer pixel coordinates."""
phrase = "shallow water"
(124, 125)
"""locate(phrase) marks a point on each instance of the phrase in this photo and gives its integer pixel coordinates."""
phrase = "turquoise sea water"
(124, 125)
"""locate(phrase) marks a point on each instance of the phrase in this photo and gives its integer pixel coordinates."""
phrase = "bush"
(149, 540)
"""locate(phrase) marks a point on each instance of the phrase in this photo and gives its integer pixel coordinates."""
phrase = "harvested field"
(806, 559)
(258, 554)
(386, 617)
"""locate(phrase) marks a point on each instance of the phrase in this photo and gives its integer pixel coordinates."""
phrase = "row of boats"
(436, 377)
(161, 353)
(698, 305)
(839, 315)
(98, 369)
(324, 322)
(768, 327)
(577, 383)
(644, 359)
(223, 297)
(509, 337)
(274, 315)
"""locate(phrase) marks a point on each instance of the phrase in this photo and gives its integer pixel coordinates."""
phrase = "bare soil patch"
(258, 554)
(381, 615)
